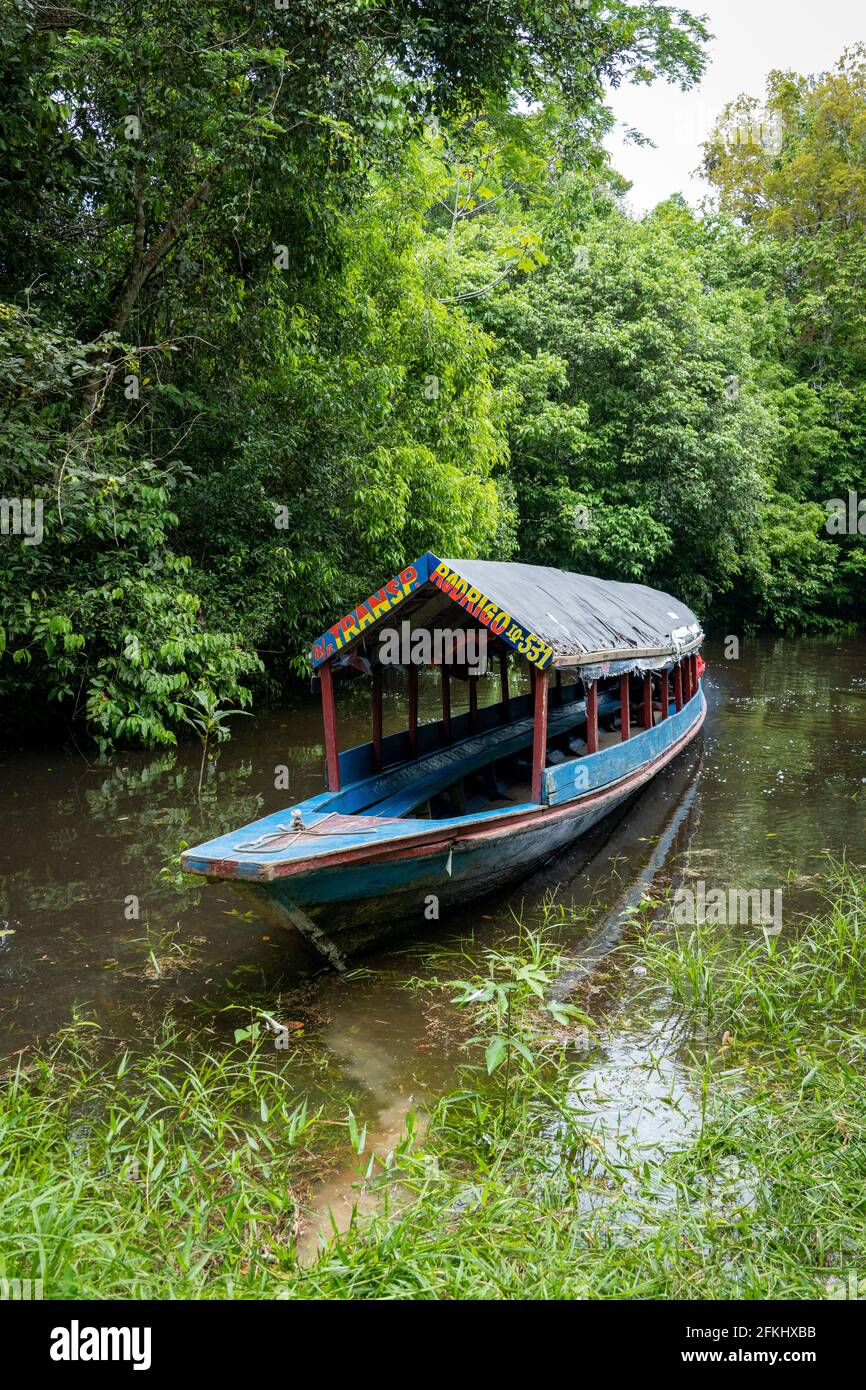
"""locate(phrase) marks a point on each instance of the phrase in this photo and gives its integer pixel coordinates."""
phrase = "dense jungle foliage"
(290, 292)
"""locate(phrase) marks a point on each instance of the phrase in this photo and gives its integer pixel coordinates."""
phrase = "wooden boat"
(440, 813)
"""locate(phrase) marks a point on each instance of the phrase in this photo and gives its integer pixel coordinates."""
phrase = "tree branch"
(144, 263)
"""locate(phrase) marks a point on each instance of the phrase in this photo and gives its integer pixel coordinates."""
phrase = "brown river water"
(775, 783)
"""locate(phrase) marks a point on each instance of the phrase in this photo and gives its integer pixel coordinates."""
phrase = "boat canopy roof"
(548, 615)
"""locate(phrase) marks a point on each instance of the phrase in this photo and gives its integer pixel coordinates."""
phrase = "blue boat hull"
(344, 912)
(407, 871)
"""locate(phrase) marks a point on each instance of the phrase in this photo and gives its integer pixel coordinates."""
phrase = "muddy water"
(95, 924)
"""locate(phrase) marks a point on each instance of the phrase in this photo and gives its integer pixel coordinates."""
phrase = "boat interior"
(485, 770)
(498, 755)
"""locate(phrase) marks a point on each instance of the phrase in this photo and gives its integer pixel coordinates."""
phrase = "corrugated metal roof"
(549, 615)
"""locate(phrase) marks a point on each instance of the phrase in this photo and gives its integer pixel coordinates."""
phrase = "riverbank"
(520, 1193)
(165, 1176)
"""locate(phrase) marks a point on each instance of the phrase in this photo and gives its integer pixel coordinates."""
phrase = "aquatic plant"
(764, 1198)
(153, 1176)
(180, 1173)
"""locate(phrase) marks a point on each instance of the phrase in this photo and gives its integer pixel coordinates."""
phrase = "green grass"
(178, 1175)
(153, 1177)
(799, 986)
(766, 1199)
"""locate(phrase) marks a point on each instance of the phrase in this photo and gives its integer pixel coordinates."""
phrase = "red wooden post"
(473, 703)
(503, 675)
(446, 704)
(687, 679)
(678, 687)
(329, 719)
(377, 718)
(694, 660)
(539, 733)
(647, 701)
(592, 717)
(413, 709)
(624, 709)
(666, 695)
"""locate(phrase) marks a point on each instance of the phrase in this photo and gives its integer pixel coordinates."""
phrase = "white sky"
(752, 38)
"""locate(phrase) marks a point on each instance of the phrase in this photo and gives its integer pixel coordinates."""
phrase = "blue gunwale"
(566, 784)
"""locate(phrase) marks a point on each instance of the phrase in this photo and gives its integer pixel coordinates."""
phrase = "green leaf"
(495, 1054)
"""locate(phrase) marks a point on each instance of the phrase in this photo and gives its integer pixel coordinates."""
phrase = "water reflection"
(777, 781)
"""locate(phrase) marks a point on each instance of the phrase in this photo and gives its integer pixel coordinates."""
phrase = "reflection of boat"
(444, 812)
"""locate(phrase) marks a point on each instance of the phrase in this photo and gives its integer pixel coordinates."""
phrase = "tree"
(792, 169)
(636, 440)
(224, 370)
